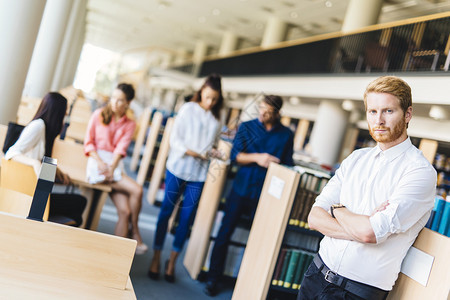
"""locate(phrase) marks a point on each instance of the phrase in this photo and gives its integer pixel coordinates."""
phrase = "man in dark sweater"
(258, 143)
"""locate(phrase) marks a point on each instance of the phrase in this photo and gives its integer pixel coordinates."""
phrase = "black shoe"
(167, 277)
(153, 275)
(211, 288)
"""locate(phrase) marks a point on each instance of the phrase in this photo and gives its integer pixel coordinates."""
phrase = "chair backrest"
(14, 202)
(20, 176)
(71, 158)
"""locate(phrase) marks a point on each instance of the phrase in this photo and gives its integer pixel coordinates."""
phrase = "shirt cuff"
(384, 223)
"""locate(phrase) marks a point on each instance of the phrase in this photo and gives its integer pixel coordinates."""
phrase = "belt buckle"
(327, 275)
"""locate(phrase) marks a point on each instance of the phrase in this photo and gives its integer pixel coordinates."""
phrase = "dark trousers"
(68, 205)
(235, 207)
(315, 287)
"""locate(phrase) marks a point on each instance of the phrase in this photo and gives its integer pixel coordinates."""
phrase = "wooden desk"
(45, 260)
(71, 160)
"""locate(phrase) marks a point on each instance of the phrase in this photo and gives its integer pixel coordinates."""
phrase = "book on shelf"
(284, 267)
(293, 261)
(439, 204)
(299, 271)
(280, 260)
(445, 219)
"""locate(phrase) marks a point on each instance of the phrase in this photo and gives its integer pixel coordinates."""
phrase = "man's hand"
(264, 159)
(62, 177)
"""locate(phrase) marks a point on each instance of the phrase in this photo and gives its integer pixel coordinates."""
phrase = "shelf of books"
(280, 245)
(199, 241)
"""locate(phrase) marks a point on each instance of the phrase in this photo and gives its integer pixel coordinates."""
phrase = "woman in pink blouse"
(108, 136)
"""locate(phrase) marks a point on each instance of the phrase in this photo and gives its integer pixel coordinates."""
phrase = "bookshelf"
(199, 241)
(160, 163)
(279, 227)
(149, 147)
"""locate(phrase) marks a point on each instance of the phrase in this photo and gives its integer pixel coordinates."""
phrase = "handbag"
(12, 135)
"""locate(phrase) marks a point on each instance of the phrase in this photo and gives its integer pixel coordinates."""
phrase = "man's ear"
(408, 114)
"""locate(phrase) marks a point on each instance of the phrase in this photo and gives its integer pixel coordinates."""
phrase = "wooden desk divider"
(71, 159)
(438, 286)
(149, 147)
(36, 252)
(267, 232)
(142, 130)
(197, 248)
(160, 163)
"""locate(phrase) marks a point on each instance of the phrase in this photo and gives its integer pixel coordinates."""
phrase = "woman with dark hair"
(194, 133)
(37, 139)
(107, 138)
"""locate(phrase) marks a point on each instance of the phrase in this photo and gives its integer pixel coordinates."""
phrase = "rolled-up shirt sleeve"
(89, 139)
(411, 200)
(331, 193)
(177, 144)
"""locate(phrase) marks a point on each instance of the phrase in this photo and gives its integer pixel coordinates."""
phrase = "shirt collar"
(274, 127)
(393, 152)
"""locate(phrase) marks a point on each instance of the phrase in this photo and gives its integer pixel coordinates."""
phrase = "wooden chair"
(20, 174)
(14, 202)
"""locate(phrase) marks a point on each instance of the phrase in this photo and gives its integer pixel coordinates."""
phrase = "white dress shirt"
(366, 179)
(195, 129)
(31, 142)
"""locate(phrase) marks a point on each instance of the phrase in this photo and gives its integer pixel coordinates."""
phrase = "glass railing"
(414, 45)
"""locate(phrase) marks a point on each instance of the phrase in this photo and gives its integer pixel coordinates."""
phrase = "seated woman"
(36, 140)
(108, 136)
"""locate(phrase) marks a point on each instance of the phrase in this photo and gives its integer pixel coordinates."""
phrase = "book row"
(309, 187)
(440, 216)
(291, 267)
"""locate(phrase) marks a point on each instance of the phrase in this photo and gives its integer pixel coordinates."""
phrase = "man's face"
(386, 119)
(267, 114)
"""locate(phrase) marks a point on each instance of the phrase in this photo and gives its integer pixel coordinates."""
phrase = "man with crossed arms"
(374, 207)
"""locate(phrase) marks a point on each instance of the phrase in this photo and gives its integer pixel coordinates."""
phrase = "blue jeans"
(174, 188)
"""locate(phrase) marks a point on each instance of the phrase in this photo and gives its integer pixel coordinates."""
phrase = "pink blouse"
(114, 137)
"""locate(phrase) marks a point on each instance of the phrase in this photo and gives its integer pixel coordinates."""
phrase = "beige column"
(328, 132)
(275, 32)
(75, 52)
(71, 41)
(361, 13)
(229, 43)
(19, 26)
(48, 46)
(181, 57)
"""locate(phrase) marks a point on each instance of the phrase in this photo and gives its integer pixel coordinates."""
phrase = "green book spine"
(287, 257)
(298, 271)
(291, 268)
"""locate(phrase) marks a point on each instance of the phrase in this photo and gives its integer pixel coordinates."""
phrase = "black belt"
(360, 289)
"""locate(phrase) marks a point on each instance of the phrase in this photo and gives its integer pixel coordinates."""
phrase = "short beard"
(392, 135)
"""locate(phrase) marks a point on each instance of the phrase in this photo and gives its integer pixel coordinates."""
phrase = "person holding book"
(374, 207)
(257, 143)
(195, 131)
(108, 136)
(36, 141)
